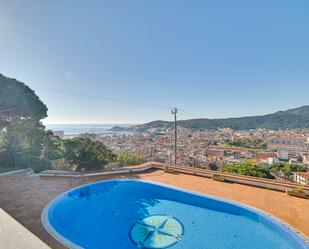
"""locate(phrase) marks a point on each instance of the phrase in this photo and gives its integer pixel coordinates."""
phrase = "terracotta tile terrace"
(24, 197)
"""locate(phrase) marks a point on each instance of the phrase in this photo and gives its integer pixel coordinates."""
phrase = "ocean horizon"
(75, 129)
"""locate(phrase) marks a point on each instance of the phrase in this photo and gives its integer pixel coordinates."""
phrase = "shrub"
(85, 154)
(248, 169)
(127, 158)
(38, 164)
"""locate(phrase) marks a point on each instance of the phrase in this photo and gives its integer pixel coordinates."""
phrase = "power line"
(100, 97)
(181, 110)
(174, 112)
(91, 96)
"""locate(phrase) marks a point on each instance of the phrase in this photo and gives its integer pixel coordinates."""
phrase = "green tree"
(20, 113)
(126, 158)
(53, 146)
(249, 169)
(213, 166)
(18, 101)
(91, 136)
(287, 168)
(85, 154)
(255, 143)
(24, 141)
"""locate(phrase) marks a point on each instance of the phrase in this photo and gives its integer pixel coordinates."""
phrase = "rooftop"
(24, 197)
(303, 174)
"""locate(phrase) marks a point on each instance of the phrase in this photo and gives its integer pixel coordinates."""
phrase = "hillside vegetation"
(292, 118)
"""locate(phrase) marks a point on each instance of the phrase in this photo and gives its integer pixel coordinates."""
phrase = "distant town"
(215, 149)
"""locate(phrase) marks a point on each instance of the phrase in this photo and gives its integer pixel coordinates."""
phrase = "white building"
(271, 160)
(301, 177)
(306, 159)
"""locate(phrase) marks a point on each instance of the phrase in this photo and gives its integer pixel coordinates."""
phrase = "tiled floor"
(24, 197)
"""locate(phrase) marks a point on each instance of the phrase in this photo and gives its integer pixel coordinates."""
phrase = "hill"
(118, 128)
(292, 118)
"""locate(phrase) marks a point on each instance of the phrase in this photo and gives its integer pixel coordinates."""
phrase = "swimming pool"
(134, 214)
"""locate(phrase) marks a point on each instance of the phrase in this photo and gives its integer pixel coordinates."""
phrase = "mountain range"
(292, 118)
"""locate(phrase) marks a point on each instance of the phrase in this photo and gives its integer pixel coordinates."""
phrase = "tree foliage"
(287, 168)
(255, 143)
(213, 166)
(18, 101)
(249, 169)
(126, 158)
(24, 141)
(21, 131)
(53, 146)
(86, 154)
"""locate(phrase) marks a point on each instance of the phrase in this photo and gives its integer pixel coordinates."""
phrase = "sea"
(75, 129)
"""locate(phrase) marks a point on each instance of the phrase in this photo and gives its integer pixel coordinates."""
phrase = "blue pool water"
(133, 214)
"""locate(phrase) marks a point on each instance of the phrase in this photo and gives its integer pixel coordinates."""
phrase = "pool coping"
(296, 234)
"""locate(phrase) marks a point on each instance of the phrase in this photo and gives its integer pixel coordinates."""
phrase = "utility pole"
(151, 153)
(174, 112)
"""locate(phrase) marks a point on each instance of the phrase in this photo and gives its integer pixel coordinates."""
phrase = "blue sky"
(211, 58)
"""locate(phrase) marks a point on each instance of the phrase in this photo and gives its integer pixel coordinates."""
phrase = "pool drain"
(156, 231)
